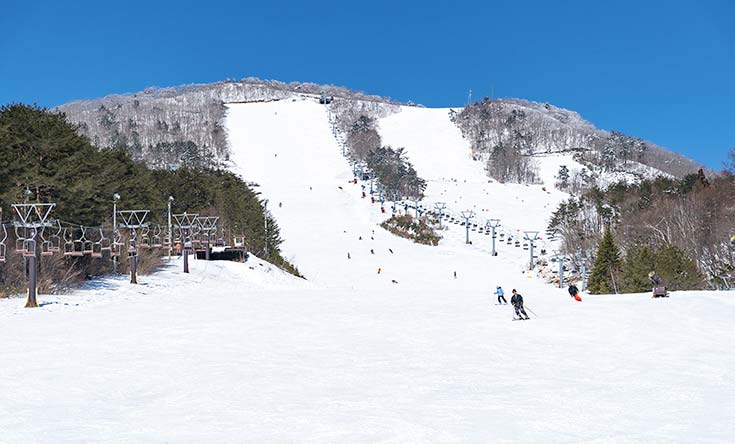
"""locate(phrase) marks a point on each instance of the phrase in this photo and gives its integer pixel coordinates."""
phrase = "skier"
(517, 301)
(455, 275)
(659, 290)
(501, 295)
(574, 292)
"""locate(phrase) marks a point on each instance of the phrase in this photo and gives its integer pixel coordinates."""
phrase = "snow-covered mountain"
(165, 125)
(387, 340)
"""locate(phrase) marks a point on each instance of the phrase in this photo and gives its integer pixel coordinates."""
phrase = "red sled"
(577, 298)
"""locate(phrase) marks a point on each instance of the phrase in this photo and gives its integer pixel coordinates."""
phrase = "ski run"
(419, 352)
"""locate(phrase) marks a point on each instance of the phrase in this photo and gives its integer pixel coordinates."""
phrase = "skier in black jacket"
(517, 301)
(573, 290)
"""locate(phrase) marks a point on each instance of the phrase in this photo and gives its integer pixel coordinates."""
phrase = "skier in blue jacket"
(501, 295)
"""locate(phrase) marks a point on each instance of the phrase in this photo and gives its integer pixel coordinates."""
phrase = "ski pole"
(532, 312)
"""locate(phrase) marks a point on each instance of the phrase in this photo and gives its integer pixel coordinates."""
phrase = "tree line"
(680, 228)
(43, 151)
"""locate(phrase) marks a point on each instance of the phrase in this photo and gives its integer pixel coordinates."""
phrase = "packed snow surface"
(246, 353)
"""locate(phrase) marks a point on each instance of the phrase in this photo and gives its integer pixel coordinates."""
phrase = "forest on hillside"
(45, 158)
(511, 132)
(680, 228)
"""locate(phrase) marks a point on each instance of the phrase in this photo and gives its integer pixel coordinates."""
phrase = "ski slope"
(245, 353)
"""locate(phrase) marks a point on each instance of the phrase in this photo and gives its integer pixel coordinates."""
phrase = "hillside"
(168, 127)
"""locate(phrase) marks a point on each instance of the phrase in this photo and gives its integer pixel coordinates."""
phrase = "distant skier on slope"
(659, 290)
(574, 292)
(501, 295)
(517, 301)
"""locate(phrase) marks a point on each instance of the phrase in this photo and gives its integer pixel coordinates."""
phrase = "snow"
(244, 352)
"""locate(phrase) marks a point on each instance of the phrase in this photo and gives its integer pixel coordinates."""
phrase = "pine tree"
(606, 268)
(677, 270)
(563, 177)
(639, 261)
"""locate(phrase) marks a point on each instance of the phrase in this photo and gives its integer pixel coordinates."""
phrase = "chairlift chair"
(78, 249)
(19, 242)
(145, 240)
(29, 247)
(156, 239)
(105, 244)
(68, 245)
(97, 249)
(88, 245)
(46, 248)
(55, 243)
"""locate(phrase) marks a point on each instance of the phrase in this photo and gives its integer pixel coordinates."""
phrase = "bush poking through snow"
(410, 228)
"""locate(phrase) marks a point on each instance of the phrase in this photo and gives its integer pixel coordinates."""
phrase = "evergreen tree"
(639, 261)
(562, 177)
(605, 270)
(677, 270)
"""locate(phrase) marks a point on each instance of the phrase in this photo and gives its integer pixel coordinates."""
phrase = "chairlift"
(68, 245)
(46, 247)
(156, 239)
(55, 240)
(29, 247)
(19, 245)
(87, 245)
(145, 240)
(116, 245)
(105, 244)
(78, 248)
(132, 250)
(97, 246)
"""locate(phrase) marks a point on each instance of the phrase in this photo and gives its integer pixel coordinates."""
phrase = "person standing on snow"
(517, 301)
(501, 295)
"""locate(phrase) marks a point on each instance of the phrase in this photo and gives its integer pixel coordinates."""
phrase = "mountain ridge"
(162, 125)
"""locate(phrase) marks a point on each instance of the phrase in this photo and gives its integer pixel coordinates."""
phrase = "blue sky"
(661, 70)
